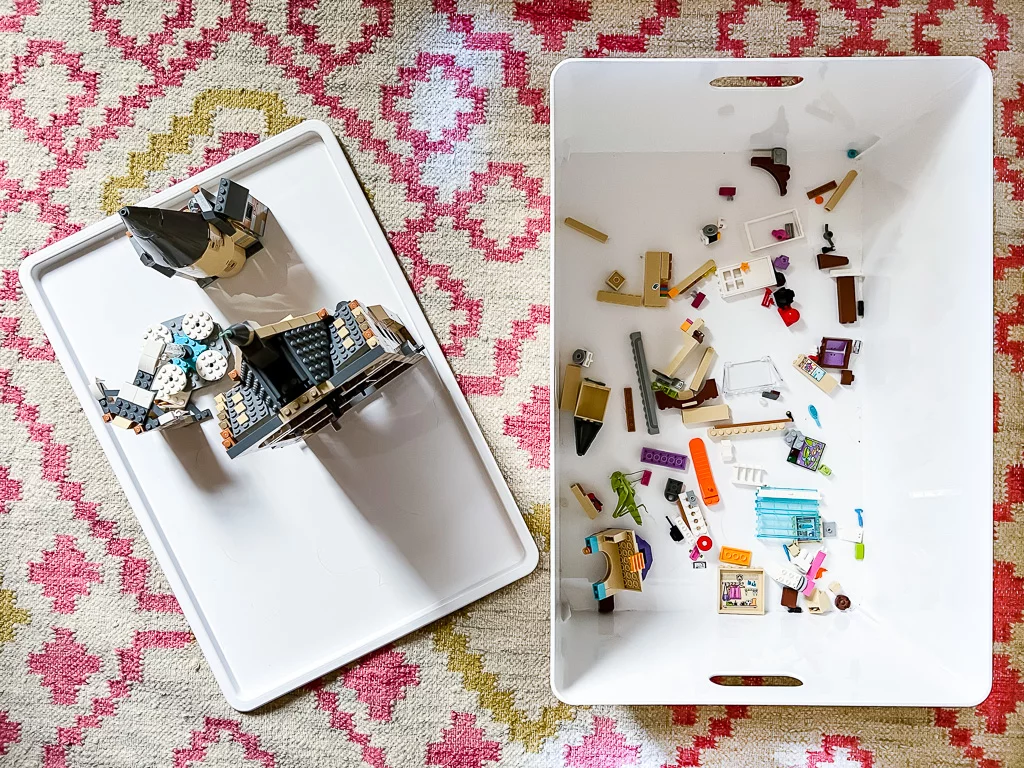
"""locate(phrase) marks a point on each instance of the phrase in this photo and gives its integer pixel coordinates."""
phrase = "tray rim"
(30, 274)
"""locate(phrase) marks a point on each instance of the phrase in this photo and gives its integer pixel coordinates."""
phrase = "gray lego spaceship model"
(294, 377)
(211, 238)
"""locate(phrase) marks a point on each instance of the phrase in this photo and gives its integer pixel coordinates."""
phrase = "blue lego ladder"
(782, 518)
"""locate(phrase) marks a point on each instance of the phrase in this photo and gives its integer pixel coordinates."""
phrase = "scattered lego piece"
(645, 477)
(846, 296)
(623, 486)
(674, 531)
(771, 394)
(767, 300)
(814, 415)
(663, 458)
(588, 501)
(706, 413)
(700, 564)
(824, 470)
(786, 576)
(735, 556)
(842, 602)
(834, 352)
(646, 393)
(570, 387)
(787, 513)
(657, 273)
(741, 591)
(692, 339)
(707, 392)
(829, 529)
(831, 261)
(827, 235)
(840, 191)
(673, 488)
(623, 299)
(615, 281)
(583, 357)
(729, 193)
(828, 186)
(702, 468)
(775, 165)
(789, 600)
(750, 376)
(846, 377)
(747, 475)
(781, 263)
(727, 451)
(627, 400)
(695, 521)
(629, 559)
(791, 228)
(579, 226)
(807, 455)
(698, 299)
(751, 427)
(734, 280)
(815, 374)
(588, 416)
(712, 233)
(818, 602)
(860, 307)
(705, 269)
(858, 550)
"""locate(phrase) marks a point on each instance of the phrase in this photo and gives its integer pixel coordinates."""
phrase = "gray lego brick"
(312, 347)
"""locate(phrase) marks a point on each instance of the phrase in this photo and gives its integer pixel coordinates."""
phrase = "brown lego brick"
(826, 187)
(789, 597)
(655, 273)
(840, 190)
(570, 387)
(627, 399)
(829, 261)
(846, 377)
(579, 226)
(625, 299)
(353, 304)
(846, 294)
(615, 280)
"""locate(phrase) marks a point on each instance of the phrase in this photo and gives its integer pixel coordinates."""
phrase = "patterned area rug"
(443, 111)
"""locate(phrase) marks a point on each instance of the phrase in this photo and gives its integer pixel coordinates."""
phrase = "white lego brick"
(785, 575)
(748, 475)
(727, 450)
(853, 534)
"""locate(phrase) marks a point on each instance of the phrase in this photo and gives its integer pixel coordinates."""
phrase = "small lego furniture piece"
(846, 297)
(817, 192)
(702, 467)
(787, 513)
(627, 401)
(657, 273)
(673, 488)
(734, 280)
(827, 235)
(834, 353)
(712, 233)
(302, 374)
(624, 299)
(844, 185)
(628, 558)
(590, 503)
(789, 600)
(571, 382)
(582, 357)
(674, 531)
(698, 299)
(831, 261)
(750, 376)
(790, 225)
(588, 417)
(579, 226)
(179, 357)
(706, 413)
(814, 415)
(846, 378)
(751, 427)
(211, 238)
(807, 455)
(705, 269)
(781, 263)
(814, 373)
(727, 451)
(818, 602)
(729, 193)
(663, 458)
(692, 338)
(734, 556)
(749, 476)
(623, 486)
(842, 602)
(646, 393)
(615, 281)
(775, 164)
(741, 591)
(645, 477)
(707, 392)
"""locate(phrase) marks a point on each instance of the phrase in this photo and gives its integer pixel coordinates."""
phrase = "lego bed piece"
(285, 532)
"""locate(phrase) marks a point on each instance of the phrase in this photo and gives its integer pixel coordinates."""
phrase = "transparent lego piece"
(751, 376)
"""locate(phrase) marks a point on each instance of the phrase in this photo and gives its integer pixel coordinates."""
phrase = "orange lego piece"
(233, 374)
(107, 417)
(702, 467)
(735, 556)
(744, 266)
(138, 429)
(322, 313)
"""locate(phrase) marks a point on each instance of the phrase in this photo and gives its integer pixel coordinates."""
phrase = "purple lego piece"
(781, 263)
(663, 458)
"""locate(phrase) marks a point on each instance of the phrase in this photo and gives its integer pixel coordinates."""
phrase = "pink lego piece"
(695, 554)
(819, 558)
(698, 299)
(809, 587)
(645, 478)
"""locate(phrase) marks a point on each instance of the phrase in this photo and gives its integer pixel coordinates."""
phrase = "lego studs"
(211, 365)
(158, 331)
(197, 325)
(170, 381)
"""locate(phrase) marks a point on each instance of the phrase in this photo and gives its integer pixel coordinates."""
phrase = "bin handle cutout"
(757, 81)
(760, 681)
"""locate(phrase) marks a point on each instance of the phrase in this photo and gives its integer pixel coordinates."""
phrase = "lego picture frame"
(359, 536)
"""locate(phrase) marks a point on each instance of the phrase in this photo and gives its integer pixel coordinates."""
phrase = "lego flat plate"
(293, 561)
(639, 150)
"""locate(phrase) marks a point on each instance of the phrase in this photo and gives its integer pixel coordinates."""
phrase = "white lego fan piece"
(197, 325)
(211, 365)
(158, 331)
(169, 381)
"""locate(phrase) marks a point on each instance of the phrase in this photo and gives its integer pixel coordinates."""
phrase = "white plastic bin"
(639, 149)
